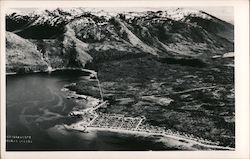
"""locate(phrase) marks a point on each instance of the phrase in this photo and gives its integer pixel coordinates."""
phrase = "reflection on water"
(36, 106)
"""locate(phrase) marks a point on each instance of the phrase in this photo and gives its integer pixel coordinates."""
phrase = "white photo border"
(241, 31)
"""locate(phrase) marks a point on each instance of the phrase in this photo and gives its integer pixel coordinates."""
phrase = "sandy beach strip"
(143, 133)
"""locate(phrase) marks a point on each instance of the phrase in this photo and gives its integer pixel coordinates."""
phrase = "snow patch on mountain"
(55, 16)
(181, 13)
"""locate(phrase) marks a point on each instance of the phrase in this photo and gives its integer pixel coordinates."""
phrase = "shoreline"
(142, 133)
(123, 130)
(52, 70)
(15, 73)
(181, 139)
(10, 73)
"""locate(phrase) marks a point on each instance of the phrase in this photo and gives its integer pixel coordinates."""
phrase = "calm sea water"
(36, 107)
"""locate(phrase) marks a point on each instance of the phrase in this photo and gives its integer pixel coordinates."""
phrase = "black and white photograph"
(120, 79)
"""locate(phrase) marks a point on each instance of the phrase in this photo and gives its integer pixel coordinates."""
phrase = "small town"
(91, 119)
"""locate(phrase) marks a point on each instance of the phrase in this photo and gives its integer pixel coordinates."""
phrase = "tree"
(122, 16)
(72, 56)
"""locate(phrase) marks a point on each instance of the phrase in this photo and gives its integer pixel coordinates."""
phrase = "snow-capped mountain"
(176, 33)
(59, 15)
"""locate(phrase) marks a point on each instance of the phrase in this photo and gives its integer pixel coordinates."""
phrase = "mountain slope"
(74, 37)
(22, 55)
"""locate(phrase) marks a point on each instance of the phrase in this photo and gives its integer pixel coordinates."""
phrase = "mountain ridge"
(84, 36)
